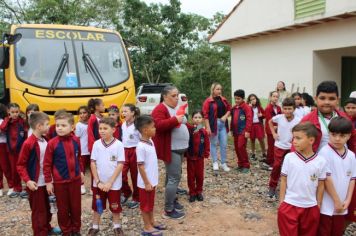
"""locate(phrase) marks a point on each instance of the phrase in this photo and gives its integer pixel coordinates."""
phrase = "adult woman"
(282, 92)
(216, 110)
(171, 141)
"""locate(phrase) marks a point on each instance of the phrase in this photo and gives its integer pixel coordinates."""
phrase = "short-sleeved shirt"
(303, 175)
(130, 135)
(255, 115)
(284, 131)
(300, 112)
(107, 157)
(341, 169)
(146, 154)
(42, 143)
(324, 131)
(81, 131)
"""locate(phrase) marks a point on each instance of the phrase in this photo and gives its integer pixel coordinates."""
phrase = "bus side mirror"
(4, 57)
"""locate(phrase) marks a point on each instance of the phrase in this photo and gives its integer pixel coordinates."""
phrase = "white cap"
(353, 94)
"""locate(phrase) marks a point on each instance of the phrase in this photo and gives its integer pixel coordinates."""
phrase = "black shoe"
(271, 193)
(181, 191)
(192, 198)
(173, 215)
(23, 194)
(178, 207)
(200, 197)
(253, 156)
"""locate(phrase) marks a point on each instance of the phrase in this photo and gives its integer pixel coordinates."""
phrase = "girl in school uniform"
(257, 131)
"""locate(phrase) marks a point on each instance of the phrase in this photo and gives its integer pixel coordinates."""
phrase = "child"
(340, 180)
(199, 149)
(30, 168)
(299, 109)
(81, 132)
(107, 160)
(257, 131)
(302, 184)
(52, 129)
(114, 112)
(29, 110)
(326, 100)
(241, 122)
(130, 139)
(350, 109)
(282, 145)
(307, 103)
(96, 108)
(63, 175)
(148, 174)
(14, 126)
(271, 110)
(5, 167)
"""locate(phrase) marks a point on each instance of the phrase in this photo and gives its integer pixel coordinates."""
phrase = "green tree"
(158, 36)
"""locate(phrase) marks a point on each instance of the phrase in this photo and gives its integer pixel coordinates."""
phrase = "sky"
(206, 8)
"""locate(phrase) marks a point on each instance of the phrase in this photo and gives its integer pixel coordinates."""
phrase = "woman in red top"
(216, 110)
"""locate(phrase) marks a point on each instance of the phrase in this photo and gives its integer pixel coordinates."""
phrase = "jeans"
(221, 136)
(173, 176)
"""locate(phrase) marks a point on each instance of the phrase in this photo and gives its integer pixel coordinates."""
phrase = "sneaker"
(215, 166)
(118, 232)
(1, 193)
(225, 167)
(200, 197)
(123, 199)
(133, 204)
(14, 194)
(93, 232)
(174, 215)
(270, 168)
(253, 156)
(245, 170)
(55, 231)
(23, 194)
(265, 166)
(178, 207)
(271, 193)
(11, 190)
(192, 198)
(181, 191)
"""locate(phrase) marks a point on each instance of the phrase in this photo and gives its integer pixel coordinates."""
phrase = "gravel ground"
(235, 204)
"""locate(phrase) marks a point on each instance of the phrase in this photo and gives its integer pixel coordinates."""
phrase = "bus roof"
(66, 27)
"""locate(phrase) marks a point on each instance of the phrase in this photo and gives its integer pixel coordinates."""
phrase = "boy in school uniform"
(147, 174)
(241, 123)
(302, 185)
(30, 169)
(326, 99)
(340, 180)
(283, 140)
(63, 174)
(107, 161)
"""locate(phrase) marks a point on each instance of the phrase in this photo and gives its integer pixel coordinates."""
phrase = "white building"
(301, 42)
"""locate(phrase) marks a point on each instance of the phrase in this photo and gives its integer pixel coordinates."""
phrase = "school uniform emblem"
(22, 133)
(131, 136)
(113, 158)
(348, 173)
(313, 177)
(242, 117)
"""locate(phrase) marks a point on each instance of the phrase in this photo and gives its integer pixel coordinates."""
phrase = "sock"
(117, 226)
(95, 226)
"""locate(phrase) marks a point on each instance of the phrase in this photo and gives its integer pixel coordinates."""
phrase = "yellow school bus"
(62, 66)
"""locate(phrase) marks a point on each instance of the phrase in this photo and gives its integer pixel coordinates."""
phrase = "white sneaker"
(215, 166)
(83, 190)
(225, 167)
(1, 193)
(11, 190)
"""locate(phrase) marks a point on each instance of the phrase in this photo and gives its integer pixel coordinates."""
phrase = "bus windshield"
(39, 53)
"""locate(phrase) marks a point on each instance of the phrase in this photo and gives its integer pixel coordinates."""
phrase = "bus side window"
(2, 83)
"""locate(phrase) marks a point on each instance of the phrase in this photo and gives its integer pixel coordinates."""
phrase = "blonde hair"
(213, 86)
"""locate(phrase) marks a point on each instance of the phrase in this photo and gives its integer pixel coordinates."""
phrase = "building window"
(305, 8)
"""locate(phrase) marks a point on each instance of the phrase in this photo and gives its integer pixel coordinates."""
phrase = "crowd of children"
(309, 149)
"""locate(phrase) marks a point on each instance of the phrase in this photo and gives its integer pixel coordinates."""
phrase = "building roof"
(255, 18)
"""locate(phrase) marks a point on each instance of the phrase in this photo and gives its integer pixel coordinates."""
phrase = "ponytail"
(133, 109)
(92, 103)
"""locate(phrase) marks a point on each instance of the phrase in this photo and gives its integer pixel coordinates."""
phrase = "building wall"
(254, 16)
(258, 64)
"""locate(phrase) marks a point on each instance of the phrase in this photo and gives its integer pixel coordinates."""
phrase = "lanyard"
(323, 120)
